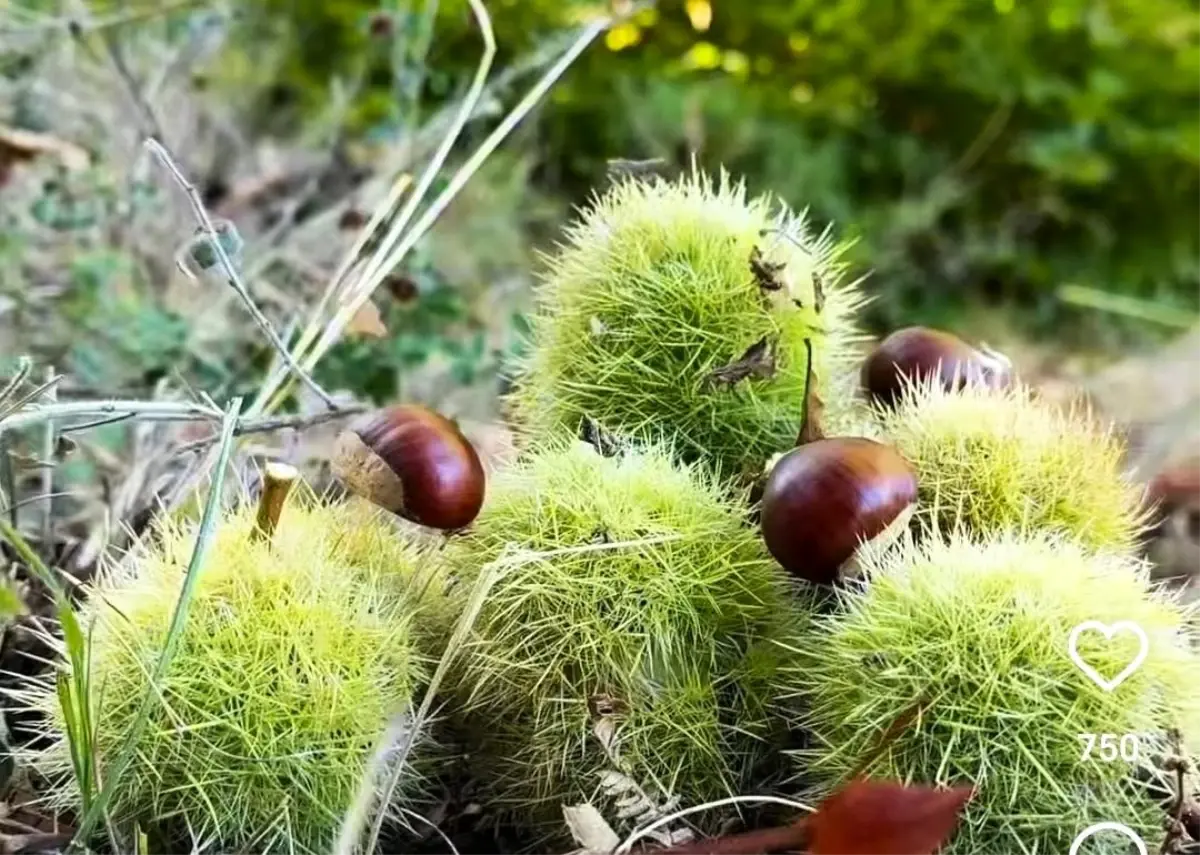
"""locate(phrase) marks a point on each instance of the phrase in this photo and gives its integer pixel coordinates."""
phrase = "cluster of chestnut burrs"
(820, 501)
(823, 499)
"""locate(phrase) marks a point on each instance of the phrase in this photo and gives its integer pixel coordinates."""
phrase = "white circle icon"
(1093, 830)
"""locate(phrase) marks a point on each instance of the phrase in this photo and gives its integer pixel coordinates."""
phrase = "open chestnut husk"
(916, 354)
(413, 462)
(823, 500)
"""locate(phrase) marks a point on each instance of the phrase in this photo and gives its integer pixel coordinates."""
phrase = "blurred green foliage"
(426, 318)
(103, 322)
(979, 150)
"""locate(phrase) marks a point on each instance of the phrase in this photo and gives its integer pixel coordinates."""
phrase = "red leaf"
(884, 818)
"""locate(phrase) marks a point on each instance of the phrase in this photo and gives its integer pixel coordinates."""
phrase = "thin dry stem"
(249, 426)
(159, 410)
(48, 441)
(235, 279)
(380, 258)
(380, 213)
(150, 120)
(732, 800)
(362, 289)
(367, 285)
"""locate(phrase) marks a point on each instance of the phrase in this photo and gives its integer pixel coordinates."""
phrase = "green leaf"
(11, 604)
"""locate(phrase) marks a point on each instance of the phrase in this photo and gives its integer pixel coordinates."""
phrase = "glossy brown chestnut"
(1174, 487)
(413, 462)
(824, 499)
(920, 353)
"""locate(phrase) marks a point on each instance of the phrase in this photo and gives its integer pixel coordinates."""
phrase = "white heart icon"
(1109, 631)
(1108, 826)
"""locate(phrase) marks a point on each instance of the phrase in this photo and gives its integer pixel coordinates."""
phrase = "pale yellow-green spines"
(294, 658)
(653, 293)
(634, 638)
(994, 459)
(968, 637)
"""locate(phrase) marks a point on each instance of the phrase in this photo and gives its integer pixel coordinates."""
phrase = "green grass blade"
(11, 604)
(72, 691)
(26, 553)
(112, 777)
(79, 760)
(1129, 307)
(76, 700)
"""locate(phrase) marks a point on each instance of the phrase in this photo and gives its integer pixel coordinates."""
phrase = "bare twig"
(24, 366)
(156, 410)
(21, 402)
(274, 424)
(8, 481)
(1176, 831)
(150, 122)
(82, 426)
(276, 378)
(380, 258)
(269, 396)
(235, 279)
(30, 500)
(48, 440)
(162, 411)
(392, 189)
(367, 284)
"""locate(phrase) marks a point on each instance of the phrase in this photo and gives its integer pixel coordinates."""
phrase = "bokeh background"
(985, 153)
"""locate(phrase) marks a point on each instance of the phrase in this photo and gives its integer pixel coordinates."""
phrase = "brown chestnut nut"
(413, 462)
(824, 499)
(919, 353)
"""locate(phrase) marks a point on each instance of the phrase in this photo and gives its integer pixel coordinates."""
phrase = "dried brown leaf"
(590, 829)
(766, 273)
(593, 434)
(818, 292)
(367, 322)
(864, 818)
(812, 427)
(17, 144)
(758, 361)
(885, 818)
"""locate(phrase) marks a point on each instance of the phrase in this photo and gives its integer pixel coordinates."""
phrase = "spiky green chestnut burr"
(628, 645)
(990, 459)
(295, 656)
(964, 645)
(685, 310)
